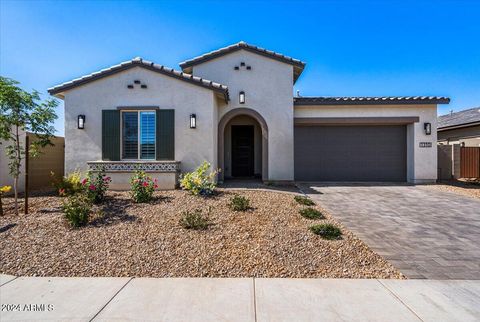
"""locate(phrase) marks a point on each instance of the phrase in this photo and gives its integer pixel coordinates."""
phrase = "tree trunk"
(15, 184)
(17, 164)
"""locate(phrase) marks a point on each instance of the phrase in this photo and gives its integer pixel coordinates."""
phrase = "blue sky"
(352, 48)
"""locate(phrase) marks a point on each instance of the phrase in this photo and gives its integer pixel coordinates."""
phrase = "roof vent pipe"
(298, 93)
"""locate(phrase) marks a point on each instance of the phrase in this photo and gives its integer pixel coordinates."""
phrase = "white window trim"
(138, 134)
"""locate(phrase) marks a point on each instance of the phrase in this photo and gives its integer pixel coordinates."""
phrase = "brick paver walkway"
(423, 232)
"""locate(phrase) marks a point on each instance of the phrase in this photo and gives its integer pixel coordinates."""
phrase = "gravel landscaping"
(461, 187)
(270, 239)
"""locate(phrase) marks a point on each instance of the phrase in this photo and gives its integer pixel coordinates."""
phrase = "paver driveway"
(423, 232)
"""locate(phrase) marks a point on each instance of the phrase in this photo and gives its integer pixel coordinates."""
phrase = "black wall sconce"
(428, 128)
(241, 97)
(193, 121)
(81, 122)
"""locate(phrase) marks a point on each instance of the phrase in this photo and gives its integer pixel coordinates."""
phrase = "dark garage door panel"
(351, 153)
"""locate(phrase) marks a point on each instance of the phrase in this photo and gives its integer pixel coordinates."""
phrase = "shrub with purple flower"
(142, 187)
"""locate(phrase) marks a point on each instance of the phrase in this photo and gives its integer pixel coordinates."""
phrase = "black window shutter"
(165, 134)
(111, 135)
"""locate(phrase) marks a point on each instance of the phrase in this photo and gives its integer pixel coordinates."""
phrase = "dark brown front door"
(242, 151)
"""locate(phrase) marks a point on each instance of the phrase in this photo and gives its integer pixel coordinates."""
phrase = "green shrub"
(96, 185)
(327, 231)
(194, 220)
(311, 213)
(142, 187)
(67, 185)
(199, 182)
(239, 203)
(77, 209)
(304, 201)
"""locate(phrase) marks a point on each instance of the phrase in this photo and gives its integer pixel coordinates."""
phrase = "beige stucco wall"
(5, 178)
(51, 159)
(192, 146)
(268, 89)
(421, 162)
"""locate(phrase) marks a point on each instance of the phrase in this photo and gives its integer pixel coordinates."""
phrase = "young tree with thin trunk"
(20, 112)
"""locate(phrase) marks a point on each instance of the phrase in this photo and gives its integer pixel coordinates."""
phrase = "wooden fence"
(470, 162)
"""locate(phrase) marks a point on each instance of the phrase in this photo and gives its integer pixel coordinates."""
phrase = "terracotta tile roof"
(145, 64)
(360, 100)
(461, 118)
(298, 64)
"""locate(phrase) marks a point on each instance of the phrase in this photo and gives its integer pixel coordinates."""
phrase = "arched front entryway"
(235, 131)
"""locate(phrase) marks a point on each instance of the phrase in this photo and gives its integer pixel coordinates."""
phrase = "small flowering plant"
(67, 185)
(96, 185)
(142, 187)
(199, 182)
(76, 209)
(3, 190)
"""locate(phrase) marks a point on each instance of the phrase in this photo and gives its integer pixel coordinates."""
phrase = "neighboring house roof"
(139, 62)
(324, 100)
(298, 64)
(459, 119)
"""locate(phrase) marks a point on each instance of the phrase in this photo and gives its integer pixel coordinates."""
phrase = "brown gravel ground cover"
(126, 239)
(469, 189)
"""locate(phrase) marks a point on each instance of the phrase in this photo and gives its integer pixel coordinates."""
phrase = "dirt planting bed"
(126, 239)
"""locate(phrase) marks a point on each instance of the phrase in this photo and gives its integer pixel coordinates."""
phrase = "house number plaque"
(425, 144)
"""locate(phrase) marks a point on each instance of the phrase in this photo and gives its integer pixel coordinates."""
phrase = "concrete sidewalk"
(236, 299)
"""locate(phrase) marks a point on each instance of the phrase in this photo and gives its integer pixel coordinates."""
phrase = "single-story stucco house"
(462, 127)
(234, 107)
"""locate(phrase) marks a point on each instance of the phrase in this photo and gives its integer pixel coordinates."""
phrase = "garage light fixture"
(81, 122)
(193, 121)
(428, 128)
(241, 97)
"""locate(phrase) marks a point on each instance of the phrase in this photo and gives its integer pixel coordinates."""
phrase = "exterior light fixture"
(428, 128)
(193, 121)
(81, 122)
(241, 97)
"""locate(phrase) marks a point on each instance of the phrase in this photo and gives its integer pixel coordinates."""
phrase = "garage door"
(351, 153)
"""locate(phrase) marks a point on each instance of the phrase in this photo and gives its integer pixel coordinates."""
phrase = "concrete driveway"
(423, 232)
